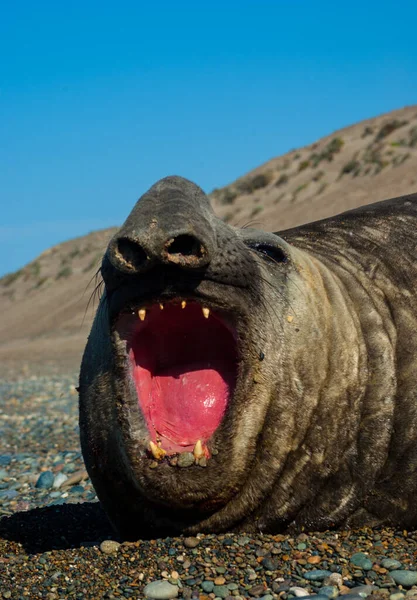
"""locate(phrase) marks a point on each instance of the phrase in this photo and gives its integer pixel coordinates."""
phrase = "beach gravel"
(56, 543)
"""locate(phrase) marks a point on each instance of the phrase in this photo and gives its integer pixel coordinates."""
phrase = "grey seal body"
(240, 380)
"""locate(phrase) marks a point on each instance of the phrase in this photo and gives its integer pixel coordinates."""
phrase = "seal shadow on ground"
(59, 527)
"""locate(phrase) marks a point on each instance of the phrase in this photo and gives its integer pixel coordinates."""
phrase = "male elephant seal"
(241, 380)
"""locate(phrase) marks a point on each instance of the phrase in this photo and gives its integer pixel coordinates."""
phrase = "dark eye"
(273, 252)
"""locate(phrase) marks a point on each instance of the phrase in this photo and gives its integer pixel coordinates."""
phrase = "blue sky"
(98, 100)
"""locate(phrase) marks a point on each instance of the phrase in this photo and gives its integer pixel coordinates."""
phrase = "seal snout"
(171, 224)
(137, 253)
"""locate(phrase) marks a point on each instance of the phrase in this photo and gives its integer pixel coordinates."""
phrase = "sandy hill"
(46, 314)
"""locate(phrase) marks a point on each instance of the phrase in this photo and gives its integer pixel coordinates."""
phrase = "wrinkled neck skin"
(327, 402)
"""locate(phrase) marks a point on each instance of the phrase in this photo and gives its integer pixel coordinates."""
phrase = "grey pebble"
(269, 564)
(109, 546)
(335, 579)
(60, 478)
(5, 460)
(363, 590)
(316, 575)
(405, 578)
(396, 596)
(331, 591)
(3, 474)
(45, 480)
(256, 590)
(8, 494)
(161, 590)
(221, 591)
(391, 564)
(207, 586)
(299, 592)
(54, 494)
(361, 560)
(243, 540)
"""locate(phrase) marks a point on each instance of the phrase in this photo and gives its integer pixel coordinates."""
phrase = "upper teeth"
(142, 311)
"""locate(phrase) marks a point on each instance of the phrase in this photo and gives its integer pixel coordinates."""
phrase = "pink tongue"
(188, 405)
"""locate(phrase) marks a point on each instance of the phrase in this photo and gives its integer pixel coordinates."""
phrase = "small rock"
(45, 480)
(8, 494)
(331, 591)
(316, 575)
(185, 459)
(76, 478)
(60, 478)
(5, 460)
(219, 581)
(109, 546)
(391, 564)
(161, 590)
(243, 540)
(363, 590)
(299, 592)
(256, 590)
(334, 579)
(191, 542)
(221, 591)
(207, 586)
(397, 596)
(405, 578)
(269, 564)
(361, 560)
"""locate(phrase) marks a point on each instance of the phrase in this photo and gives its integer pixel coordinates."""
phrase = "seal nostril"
(130, 253)
(186, 245)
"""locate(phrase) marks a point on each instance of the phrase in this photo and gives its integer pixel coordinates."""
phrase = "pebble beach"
(56, 543)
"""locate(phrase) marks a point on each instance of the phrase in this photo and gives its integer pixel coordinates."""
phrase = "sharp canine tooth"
(198, 450)
(183, 304)
(157, 452)
(206, 312)
(161, 306)
(142, 314)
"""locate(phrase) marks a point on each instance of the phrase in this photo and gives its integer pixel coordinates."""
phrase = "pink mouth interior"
(184, 367)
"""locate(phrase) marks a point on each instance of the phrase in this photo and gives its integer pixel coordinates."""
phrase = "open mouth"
(183, 360)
